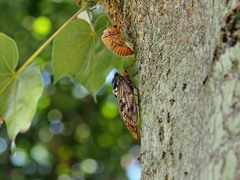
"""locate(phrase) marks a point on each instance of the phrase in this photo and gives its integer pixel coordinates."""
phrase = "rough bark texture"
(188, 59)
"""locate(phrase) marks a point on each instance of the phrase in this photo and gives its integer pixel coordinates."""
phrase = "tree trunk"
(188, 60)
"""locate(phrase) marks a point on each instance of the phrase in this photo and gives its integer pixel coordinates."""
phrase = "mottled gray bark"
(189, 84)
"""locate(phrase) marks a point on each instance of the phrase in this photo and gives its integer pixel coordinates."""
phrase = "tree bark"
(188, 61)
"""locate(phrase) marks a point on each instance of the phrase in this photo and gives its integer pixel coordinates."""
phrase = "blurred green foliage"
(70, 136)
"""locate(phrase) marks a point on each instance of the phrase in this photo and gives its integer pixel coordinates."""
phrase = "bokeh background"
(71, 136)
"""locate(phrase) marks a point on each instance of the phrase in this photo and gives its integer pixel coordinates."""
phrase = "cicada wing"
(127, 104)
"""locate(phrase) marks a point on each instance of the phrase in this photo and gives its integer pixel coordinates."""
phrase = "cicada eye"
(114, 87)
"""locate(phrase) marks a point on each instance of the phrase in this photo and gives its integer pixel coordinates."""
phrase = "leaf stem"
(49, 40)
(90, 22)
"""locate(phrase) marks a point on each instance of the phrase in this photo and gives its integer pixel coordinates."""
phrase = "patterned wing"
(123, 90)
(132, 129)
(127, 103)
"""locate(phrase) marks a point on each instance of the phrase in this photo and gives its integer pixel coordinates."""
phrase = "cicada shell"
(111, 38)
(123, 91)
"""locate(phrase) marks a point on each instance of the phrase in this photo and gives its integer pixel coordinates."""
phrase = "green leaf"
(8, 62)
(19, 92)
(78, 52)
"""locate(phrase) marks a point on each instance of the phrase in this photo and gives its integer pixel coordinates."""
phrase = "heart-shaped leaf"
(19, 92)
(78, 52)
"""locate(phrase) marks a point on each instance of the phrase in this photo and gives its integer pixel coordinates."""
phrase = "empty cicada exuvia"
(123, 90)
(111, 38)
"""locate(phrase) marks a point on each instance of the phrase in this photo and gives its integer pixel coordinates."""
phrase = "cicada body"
(111, 39)
(124, 92)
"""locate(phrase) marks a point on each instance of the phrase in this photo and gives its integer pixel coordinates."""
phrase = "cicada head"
(111, 31)
(115, 84)
(106, 33)
(115, 29)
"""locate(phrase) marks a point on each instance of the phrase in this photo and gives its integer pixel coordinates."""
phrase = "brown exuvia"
(111, 38)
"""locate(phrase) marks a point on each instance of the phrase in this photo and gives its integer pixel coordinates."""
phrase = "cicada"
(123, 90)
(111, 38)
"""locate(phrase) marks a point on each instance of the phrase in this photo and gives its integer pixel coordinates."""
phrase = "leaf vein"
(65, 61)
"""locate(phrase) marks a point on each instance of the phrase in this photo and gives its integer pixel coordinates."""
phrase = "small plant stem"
(48, 41)
(90, 23)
